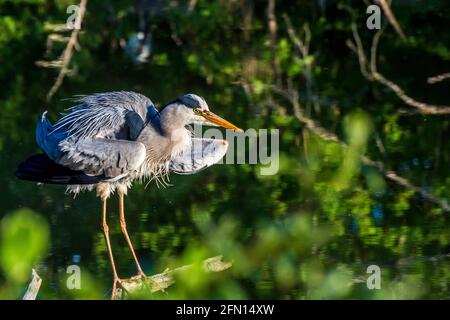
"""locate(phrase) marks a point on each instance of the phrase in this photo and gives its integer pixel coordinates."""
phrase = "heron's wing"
(201, 154)
(128, 100)
(113, 115)
(98, 156)
(108, 115)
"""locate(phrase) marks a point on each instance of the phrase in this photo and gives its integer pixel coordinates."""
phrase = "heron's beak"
(214, 118)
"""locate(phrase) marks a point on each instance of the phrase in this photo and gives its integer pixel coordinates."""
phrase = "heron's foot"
(117, 284)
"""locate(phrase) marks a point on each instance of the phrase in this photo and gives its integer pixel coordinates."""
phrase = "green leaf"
(24, 239)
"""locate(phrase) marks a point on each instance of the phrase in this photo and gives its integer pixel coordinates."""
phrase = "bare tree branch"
(191, 6)
(33, 287)
(358, 48)
(272, 26)
(439, 78)
(302, 46)
(422, 107)
(67, 53)
(391, 18)
(247, 11)
(162, 281)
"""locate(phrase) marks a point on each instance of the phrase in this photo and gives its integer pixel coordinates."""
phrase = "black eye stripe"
(185, 100)
(191, 102)
(171, 102)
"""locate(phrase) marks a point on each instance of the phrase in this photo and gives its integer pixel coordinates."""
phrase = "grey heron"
(108, 140)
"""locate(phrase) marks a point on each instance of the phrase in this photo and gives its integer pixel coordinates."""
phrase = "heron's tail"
(48, 139)
(41, 168)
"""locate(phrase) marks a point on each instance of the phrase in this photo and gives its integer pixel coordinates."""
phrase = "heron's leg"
(123, 226)
(108, 245)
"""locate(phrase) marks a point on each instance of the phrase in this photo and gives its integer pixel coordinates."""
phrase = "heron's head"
(193, 109)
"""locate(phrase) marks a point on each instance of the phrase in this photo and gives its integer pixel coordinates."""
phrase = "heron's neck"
(170, 140)
(173, 124)
(173, 120)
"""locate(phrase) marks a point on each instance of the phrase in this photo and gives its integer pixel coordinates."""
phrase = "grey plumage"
(108, 140)
(122, 137)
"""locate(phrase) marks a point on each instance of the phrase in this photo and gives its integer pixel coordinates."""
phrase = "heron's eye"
(198, 111)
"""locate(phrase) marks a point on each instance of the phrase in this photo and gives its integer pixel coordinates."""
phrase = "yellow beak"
(214, 118)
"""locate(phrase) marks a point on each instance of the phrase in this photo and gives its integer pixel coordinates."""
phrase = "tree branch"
(161, 281)
(391, 18)
(424, 108)
(64, 61)
(272, 26)
(439, 78)
(33, 287)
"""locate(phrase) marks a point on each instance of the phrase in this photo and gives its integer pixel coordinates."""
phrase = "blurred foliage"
(308, 232)
(24, 240)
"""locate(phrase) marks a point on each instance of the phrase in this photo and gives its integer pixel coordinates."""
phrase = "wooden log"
(161, 281)
(33, 287)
